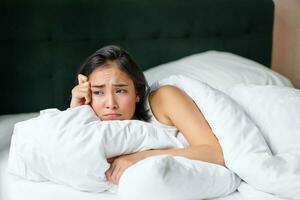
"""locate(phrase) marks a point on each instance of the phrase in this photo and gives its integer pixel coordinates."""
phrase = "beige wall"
(286, 39)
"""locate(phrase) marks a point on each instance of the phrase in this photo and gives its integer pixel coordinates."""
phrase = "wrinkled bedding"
(71, 147)
(245, 149)
(48, 152)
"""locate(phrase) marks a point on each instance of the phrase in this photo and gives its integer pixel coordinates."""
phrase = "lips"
(112, 116)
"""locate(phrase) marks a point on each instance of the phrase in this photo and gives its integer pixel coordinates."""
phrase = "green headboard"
(43, 42)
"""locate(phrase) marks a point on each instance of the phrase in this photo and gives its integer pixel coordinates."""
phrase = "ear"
(137, 99)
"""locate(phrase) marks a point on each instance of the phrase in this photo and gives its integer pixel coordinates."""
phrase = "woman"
(116, 89)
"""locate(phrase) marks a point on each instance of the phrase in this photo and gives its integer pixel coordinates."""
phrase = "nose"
(111, 102)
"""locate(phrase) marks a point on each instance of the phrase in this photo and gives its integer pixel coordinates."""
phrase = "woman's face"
(113, 93)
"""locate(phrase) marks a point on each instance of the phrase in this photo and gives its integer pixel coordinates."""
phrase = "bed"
(223, 43)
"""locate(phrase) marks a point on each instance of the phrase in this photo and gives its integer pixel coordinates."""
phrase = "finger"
(119, 174)
(87, 99)
(88, 96)
(84, 87)
(86, 84)
(114, 176)
(84, 91)
(80, 94)
(111, 171)
(82, 79)
(108, 174)
(113, 167)
(110, 160)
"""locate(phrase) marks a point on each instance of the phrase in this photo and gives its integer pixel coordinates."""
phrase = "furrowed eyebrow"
(97, 86)
(120, 85)
(116, 85)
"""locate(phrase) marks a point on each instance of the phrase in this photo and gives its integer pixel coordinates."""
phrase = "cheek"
(97, 105)
(128, 106)
(127, 103)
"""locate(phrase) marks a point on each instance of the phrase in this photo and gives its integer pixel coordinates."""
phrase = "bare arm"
(172, 106)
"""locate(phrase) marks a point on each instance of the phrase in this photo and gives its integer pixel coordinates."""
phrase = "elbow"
(221, 161)
(211, 153)
(219, 156)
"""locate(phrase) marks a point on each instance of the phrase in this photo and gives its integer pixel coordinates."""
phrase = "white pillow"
(176, 178)
(276, 111)
(7, 123)
(244, 148)
(220, 70)
(71, 147)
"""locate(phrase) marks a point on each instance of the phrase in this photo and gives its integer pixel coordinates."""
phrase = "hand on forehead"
(82, 78)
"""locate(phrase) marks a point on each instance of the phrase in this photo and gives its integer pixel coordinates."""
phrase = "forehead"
(108, 72)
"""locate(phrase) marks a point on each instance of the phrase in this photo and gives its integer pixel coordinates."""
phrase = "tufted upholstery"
(44, 42)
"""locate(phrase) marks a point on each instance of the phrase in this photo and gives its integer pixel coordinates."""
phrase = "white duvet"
(71, 147)
(245, 150)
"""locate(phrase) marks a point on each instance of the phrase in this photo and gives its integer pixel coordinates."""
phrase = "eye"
(122, 91)
(98, 92)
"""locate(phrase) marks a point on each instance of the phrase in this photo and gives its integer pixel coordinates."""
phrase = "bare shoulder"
(169, 95)
(164, 100)
(164, 94)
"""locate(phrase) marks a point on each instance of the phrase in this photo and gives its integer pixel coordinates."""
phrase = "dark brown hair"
(125, 64)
